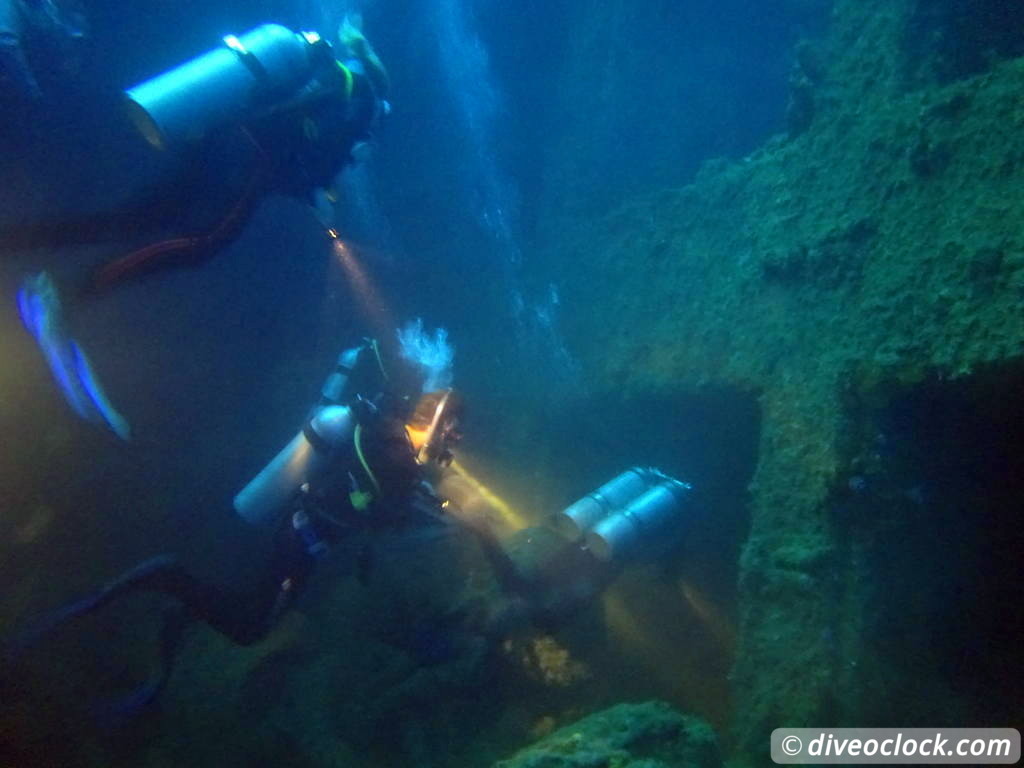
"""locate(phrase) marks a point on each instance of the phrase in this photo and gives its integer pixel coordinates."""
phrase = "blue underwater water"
(437, 638)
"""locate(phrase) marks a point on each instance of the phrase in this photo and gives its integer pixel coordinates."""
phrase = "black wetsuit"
(309, 142)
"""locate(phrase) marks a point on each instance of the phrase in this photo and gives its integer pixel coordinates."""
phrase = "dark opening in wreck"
(933, 509)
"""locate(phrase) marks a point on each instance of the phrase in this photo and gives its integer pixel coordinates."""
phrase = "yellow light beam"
(716, 622)
(471, 493)
(373, 307)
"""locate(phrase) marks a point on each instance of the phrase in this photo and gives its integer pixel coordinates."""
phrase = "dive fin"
(41, 312)
(87, 377)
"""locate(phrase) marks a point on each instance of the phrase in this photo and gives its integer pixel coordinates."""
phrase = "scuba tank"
(304, 459)
(340, 385)
(233, 83)
(640, 512)
(576, 519)
(648, 525)
(330, 426)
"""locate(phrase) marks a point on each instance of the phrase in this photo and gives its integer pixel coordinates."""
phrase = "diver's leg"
(228, 613)
(243, 618)
(290, 568)
(87, 605)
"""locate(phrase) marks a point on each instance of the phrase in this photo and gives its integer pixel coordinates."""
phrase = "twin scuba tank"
(639, 513)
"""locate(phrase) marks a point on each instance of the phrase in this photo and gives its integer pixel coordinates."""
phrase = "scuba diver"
(287, 106)
(271, 111)
(374, 465)
(357, 464)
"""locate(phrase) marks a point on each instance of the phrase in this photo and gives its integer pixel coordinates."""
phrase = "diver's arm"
(351, 37)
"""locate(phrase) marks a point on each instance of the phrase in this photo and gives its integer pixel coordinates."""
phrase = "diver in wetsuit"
(269, 112)
(273, 106)
(357, 465)
(279, 105)
(360, 466)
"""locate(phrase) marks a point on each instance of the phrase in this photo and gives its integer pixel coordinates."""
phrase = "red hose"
(190, 248)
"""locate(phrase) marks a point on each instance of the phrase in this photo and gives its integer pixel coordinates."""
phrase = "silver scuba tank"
(639, 511)
(333, 392)
(579, 517)
(232, 83)
(649, 524)
(304, 459)
(266, 496)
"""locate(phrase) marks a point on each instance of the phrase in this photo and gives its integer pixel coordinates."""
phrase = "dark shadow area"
(938, 527)
(953, 39)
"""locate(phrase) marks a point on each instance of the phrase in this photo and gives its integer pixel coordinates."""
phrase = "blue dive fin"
(121, 712)
(41, 312)
(39, 306)
(87, 378)
(39, 630)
